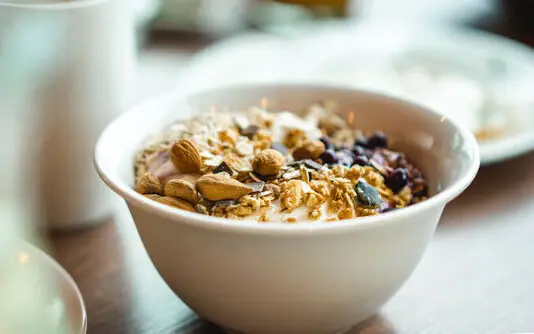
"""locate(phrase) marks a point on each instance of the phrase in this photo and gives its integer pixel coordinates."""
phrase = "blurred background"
(434, 52)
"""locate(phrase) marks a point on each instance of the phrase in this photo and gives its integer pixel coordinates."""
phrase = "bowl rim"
(304, 228)
(51, 6)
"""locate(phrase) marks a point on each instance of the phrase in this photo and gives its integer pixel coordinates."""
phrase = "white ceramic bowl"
(291, 278)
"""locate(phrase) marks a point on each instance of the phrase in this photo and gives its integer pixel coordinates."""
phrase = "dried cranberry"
(361, 160)
(329, 157)
(377, 139)
(397, 180)
(326, 142)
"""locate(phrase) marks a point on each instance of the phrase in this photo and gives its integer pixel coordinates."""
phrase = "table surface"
(477, 275)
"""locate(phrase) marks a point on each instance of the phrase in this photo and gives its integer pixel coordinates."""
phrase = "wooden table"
(477, 275)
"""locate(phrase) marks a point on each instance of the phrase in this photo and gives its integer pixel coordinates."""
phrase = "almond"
(185, 156)
(218, 187)
(171, 201)
(182, 189)
(148, 184)
(268, 162)
(309, 149)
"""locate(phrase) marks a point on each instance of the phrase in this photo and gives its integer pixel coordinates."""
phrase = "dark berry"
(361, 142)
(358, 150)
(345, 158)
(377, 139)
(348, 152)
(397, 180)
(361, 160)
(329, 157)
(326, 142)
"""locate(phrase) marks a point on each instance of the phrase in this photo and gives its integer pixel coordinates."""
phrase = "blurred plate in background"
(64, 305)
(479, 79)
(38, 295)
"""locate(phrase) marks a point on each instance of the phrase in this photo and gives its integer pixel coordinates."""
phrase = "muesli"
(277, 167)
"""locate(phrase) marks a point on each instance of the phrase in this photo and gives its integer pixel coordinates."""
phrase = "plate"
(37, 284)
(481, 79)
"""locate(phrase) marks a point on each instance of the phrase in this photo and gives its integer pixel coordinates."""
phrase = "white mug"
(87, 85)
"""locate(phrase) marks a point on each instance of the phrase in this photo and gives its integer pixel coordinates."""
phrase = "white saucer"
(356, 54)
(61, 308)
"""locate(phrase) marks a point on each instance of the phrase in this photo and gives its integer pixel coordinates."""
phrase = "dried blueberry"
(329, 157)
(361, 160)
(362, 142)
(326, 142)
(377, 139)
(348, 152)
(397, 180)
(345, 159)
(358, 150)
(367, 195)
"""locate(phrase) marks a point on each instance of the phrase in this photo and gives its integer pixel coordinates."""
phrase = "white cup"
(87, 85)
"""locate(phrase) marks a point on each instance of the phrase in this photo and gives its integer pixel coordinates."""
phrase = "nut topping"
(182, 189)
(278, 167)
(217, 187)
(171, 201)
(309, 149)
(268, 162)
(148, 184)
(185, 156)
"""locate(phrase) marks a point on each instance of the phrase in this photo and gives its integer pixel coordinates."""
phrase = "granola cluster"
(274, 167)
